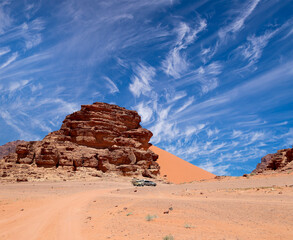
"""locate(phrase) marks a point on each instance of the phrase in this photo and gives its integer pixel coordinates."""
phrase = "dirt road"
(232, 209)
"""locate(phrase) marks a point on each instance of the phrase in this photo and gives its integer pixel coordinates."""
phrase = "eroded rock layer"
(9, 148)
(280, 161)
(101, 136)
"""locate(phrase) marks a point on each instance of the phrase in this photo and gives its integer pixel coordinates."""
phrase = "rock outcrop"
(280, 161)
(101, 136)
(9, 148)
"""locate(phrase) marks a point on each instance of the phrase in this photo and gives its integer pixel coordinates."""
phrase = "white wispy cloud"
(212, 132)
(33, 41)
(5, 19)
(215, 147)
(238, 23)
(36, 87)
(281, 123)
(191, 130)
(145, 111)
(176, 62)
(16, 126)
(256, 136)
(217, 169)
(205, 51)
(41, 125)
(122, 62)
(264, 81)
(236, 133)
(11, 59)
(141, 80)
(32, 8)
(288, 137)
(219, 104)
(289, 34)
(111, 85)
(65, 107)
(37, 24)
(163, 128)
(214, 68)
(204, 110)
(31, 32)
(25, 116)
(250, 137)
(196, 148)
(209, 85)
(158, 117)
(175, 96)
(195, 145)
(253, 48)
(24, 67)
(17, 85)
(207, 76)
(186, 104)
(4, 50)
(115, 25)
(113, 19)
(206, 54)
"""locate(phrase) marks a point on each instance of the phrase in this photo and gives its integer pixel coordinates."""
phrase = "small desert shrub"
(150, 217)
(128, 214)
(186, 225)
(168, 237)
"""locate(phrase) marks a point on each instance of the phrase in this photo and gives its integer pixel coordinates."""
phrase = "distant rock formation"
(9, 148)
(101, 136)
(280, 161)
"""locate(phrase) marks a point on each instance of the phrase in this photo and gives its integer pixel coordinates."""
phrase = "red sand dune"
(178, 170)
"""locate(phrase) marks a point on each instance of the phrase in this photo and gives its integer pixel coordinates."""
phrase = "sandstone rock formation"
(280, 161)
(101, 136)
(9, 148)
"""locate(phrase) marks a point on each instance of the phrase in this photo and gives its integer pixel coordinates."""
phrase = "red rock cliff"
(280, 161)
(102, 136)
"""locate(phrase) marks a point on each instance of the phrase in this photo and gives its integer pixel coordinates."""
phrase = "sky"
(212, 79)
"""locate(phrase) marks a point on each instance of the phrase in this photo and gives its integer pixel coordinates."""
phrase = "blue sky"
(213, 80)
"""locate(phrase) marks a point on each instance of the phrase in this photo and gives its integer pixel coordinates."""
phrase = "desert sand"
(177, 170)
(111, 208)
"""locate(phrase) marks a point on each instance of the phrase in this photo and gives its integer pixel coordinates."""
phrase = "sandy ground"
(243, 208)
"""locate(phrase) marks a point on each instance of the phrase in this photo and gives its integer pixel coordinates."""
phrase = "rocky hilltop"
(280, 161)
(100, 136)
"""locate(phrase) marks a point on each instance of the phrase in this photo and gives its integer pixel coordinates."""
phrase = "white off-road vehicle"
(141, 182)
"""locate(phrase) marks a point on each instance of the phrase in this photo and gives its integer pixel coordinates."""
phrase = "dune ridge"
(178, 170)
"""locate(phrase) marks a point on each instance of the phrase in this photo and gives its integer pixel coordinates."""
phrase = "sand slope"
(178, 170)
